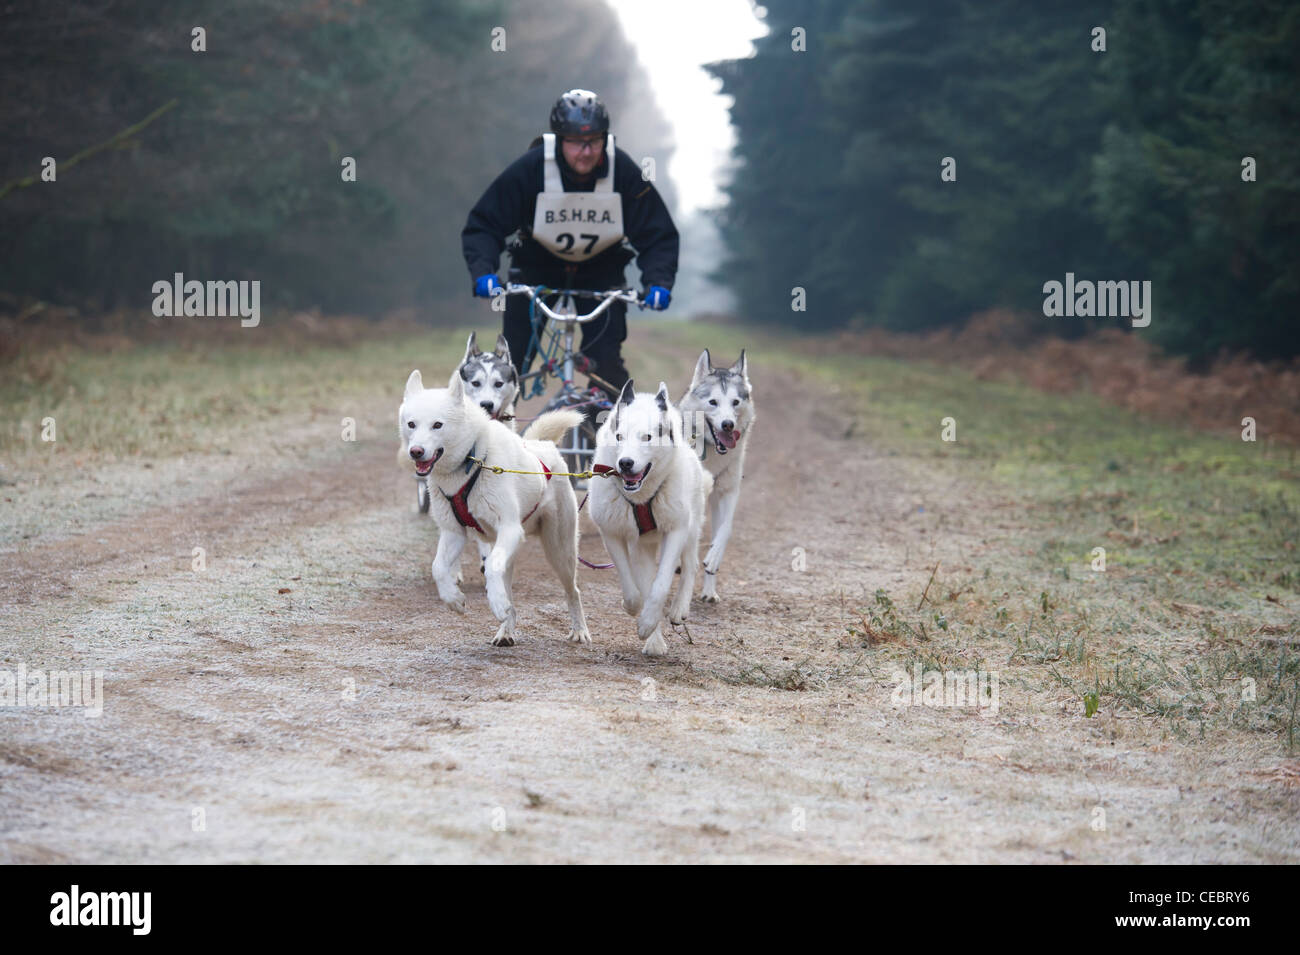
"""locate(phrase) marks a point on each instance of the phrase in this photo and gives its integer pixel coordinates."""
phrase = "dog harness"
(460, 500)
(643, 514)
(645, 517)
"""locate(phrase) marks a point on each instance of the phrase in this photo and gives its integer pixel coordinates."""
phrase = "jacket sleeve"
(647, 224)
(502, 209)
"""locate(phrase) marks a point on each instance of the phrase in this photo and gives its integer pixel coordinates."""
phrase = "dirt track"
(222, 694)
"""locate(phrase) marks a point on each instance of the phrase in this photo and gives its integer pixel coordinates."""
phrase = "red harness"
(645, 518)
(641, 513)
(460, 500)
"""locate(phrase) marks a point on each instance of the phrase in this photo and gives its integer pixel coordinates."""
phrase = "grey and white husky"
(491, 381)
(718, 412)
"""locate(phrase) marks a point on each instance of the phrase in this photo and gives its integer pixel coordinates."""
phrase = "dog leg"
(618, 553)
(560, 544)
(500, 567)
(686, 589)
(484, 548)
(642, 557)
(722, 510)
(445, 561)
(670, 552)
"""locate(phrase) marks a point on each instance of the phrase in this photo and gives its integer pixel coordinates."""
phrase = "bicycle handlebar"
(607, 296)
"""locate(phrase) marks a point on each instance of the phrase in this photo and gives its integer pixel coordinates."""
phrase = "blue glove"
(484, 285)
(657, 297)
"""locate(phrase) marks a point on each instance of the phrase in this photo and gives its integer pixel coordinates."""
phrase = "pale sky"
(672, 38)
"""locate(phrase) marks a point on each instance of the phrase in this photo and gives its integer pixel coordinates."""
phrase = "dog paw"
(655, 646)
(677, 615)
(648, 624)
(456, 603)
(505, 635)
(709, 597)
(632, 605)
(580, 636)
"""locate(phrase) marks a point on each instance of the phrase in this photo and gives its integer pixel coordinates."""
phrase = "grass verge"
(1135, 567)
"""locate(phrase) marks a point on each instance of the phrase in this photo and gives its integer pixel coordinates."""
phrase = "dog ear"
(456, 386)
(740, 367)
(702, 367)
(661, 398)
(503, 349)
(627, 394)
(471, 347)
(414, 385)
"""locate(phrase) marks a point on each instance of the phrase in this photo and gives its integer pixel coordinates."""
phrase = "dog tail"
(552, 425)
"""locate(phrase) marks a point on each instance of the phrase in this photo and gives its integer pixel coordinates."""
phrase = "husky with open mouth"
(654, 497)
(492, 383)
(453, 444)
(718, 410)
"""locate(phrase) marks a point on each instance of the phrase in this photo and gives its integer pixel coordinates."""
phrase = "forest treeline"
(241, 177)
(1119, 165)
(1122, 164)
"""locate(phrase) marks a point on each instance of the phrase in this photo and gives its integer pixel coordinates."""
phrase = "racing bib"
(577, 225)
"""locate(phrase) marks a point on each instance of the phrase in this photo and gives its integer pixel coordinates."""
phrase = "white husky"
(718, 409)
(655, 496)
(442, 432)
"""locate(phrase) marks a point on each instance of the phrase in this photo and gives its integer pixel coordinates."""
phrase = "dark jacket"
(511, 201)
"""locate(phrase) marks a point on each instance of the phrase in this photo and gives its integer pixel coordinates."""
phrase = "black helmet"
(579, 112)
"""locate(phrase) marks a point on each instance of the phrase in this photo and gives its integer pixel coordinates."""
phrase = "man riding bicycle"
(575, 222)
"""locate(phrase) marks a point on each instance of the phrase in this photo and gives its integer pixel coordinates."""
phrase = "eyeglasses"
(581, 144)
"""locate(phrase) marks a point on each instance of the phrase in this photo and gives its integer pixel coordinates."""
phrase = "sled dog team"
(649, 506)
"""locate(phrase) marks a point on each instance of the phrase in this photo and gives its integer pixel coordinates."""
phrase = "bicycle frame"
(568, 318)
(566, 314)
